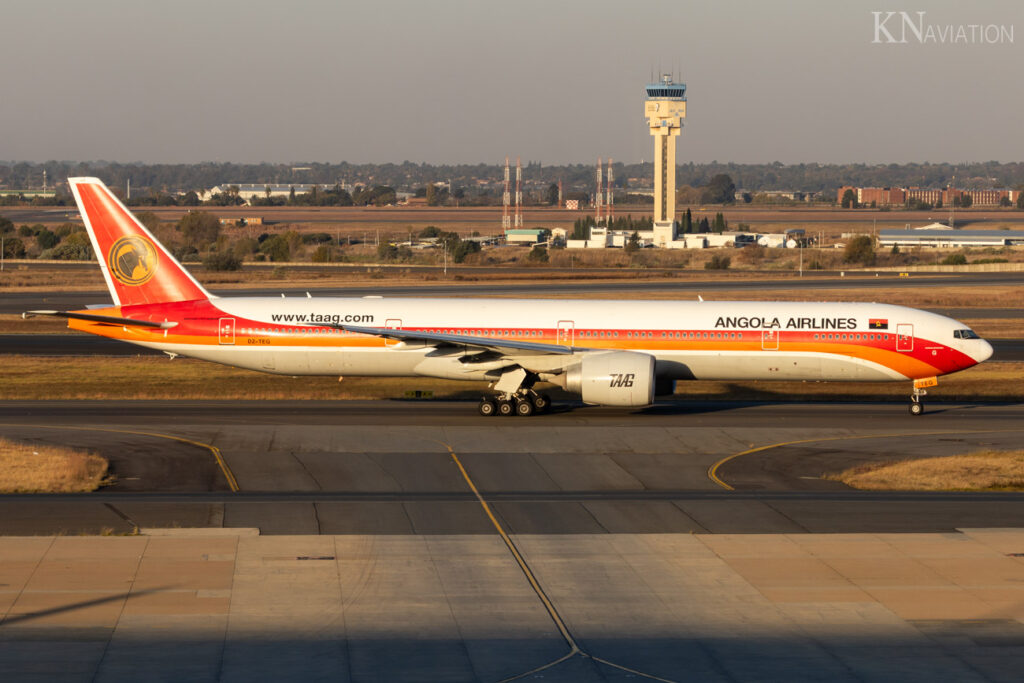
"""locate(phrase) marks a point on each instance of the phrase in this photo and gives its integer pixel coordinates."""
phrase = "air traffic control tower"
(665, 109)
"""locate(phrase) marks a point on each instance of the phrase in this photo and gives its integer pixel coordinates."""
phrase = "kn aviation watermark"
(903, 28)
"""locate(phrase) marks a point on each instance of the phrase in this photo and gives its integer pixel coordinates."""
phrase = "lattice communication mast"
(519, 194)
(609, 199)
(506, 221)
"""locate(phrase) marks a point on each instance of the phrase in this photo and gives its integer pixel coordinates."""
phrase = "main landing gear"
(523, 403)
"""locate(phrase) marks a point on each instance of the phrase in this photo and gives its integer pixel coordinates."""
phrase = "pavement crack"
(309, 473)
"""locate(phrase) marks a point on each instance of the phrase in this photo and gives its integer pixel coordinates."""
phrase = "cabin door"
(226, 331)
(566, 332)
(904, 337)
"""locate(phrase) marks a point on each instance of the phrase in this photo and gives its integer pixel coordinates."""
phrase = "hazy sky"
(452, 81)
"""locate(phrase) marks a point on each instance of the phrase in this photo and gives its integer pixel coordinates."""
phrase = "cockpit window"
(965, 334)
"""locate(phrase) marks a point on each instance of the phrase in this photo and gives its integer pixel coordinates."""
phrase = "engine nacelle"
(616, 378)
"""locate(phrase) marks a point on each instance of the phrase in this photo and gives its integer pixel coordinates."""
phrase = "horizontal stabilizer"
(108, 319)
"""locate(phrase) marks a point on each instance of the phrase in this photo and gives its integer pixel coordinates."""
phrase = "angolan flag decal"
(878, 323)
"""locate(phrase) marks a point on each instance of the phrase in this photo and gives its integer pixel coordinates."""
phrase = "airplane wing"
(106, 319)
(510, 347)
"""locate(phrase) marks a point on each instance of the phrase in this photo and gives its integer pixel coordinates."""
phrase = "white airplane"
(613, 353)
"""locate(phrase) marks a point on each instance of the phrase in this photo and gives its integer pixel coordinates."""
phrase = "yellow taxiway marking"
(713, 470)
(516, 554)
(574, 648)
(228, 474)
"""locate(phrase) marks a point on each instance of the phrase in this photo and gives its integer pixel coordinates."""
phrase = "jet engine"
(616, 378)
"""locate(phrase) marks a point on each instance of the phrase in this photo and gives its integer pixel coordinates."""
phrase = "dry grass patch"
(154, 377)
(986, 470)
(29, 468)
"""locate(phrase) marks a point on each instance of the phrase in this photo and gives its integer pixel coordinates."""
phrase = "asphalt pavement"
(384, 467)
(408, 541)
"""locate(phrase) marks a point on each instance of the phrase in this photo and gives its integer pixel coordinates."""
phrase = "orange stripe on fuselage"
(199, 320)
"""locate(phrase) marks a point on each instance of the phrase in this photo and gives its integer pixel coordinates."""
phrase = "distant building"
(28, 194)
(921, 194)
(249, 191)
(603, 238)
(526, 235)
(898, 196)
(794, 195)
(950, 239)
(878, 196)
(727, 239)
(244, 220)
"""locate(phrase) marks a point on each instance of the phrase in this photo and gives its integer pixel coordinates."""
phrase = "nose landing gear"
(916, 404)
(916, 400)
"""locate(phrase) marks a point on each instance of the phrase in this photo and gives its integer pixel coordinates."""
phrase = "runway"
(384, 467)
(20, 301)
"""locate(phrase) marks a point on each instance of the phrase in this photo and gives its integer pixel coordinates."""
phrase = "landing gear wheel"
(541, 403)
(487, 407)
(524, 407)
(506, 408)
(916, 408)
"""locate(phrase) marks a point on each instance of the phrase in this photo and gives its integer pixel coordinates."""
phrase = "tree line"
(808, 177)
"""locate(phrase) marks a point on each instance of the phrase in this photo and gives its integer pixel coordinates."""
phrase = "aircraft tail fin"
(137, 268)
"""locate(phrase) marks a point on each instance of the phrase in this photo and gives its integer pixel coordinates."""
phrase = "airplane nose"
(984, 351)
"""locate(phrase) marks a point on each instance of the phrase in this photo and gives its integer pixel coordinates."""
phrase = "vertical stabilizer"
(137, 268)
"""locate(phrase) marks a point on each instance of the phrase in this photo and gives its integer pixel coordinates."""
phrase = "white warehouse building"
(950, 239)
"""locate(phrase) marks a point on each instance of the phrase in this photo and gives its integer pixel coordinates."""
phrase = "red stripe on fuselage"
(198, 322)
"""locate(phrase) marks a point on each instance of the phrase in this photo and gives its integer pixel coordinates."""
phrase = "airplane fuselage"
(689, 340)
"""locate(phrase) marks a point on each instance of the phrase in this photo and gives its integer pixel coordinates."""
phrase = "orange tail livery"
(137, 268)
